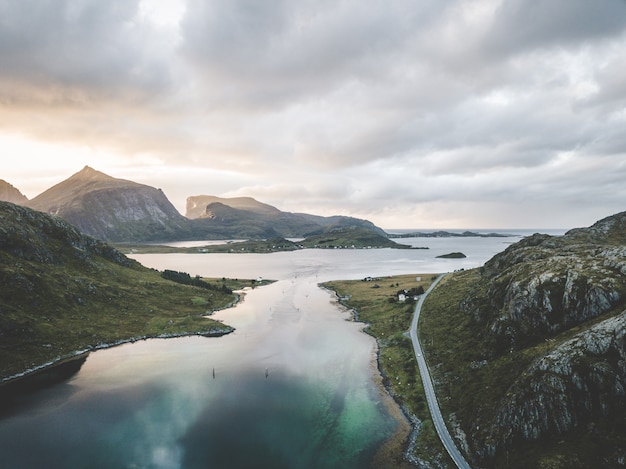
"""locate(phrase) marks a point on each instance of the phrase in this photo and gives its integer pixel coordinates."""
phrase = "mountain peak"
(88, 173)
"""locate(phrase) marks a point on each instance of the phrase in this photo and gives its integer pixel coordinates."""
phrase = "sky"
(409, 113)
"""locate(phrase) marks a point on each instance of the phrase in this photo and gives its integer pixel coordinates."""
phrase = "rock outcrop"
(578, 385)
(555, 309)
(544, 285)
(8, 193)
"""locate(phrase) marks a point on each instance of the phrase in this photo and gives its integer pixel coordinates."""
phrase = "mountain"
(8, 193)
(246, 217)
(63, 292)
(117, 210)
(113, 209)
(197, 205)
(532, 350)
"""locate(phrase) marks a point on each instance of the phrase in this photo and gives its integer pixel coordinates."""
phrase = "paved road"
(433, 405)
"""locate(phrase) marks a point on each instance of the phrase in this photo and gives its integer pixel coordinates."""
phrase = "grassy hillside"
(528, 351)
(63, 292)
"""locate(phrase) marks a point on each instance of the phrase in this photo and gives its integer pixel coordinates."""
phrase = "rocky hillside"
(8, 193)
(113, 209)
(245, 217)
(62, 291)
(121, 211)
(542, 355)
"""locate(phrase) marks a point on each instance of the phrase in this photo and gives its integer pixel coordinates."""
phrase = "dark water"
(292, 387)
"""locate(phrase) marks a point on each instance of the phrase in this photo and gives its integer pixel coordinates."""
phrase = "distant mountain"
(113, 209)
(246, 217)
(448, 234)
(197, 205)
(536, 362)
(117, 210)
(9, 193)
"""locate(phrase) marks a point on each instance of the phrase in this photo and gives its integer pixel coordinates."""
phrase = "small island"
(452, 255)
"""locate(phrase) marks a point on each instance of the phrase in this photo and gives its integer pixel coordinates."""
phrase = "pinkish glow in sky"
(434, 114)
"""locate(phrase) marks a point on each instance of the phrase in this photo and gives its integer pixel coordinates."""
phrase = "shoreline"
(396, 450)
(10, 380)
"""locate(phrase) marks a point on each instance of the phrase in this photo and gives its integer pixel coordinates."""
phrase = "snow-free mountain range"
(118, 210)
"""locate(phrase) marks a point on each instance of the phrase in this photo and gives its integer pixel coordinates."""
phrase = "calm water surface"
(293, 386)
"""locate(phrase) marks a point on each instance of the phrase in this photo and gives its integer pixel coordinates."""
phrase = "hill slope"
(113, 209)
(63, 291)
(8, 193)
(532, 350)
(121, 211)
(245, 217)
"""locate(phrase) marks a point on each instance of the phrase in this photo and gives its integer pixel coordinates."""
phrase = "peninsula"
(65, 292)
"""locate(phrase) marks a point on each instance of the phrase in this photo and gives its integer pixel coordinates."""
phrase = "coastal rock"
(579, 381)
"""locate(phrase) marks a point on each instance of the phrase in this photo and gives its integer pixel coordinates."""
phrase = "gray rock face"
(570, 290)
(544, 285)
(113, 209)
(576, 383)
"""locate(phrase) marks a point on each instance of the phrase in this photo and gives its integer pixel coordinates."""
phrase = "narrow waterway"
(293, 386)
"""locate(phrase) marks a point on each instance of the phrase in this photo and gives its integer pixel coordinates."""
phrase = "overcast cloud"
(422, 114)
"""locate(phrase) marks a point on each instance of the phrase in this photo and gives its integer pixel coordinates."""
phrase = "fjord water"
(293, 386)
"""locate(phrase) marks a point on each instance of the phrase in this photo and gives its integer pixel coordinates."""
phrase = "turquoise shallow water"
(173, 418)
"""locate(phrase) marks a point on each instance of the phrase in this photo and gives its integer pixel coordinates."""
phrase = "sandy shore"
(391, 452)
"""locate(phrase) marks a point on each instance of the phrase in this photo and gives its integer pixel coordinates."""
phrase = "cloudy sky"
(410, 113)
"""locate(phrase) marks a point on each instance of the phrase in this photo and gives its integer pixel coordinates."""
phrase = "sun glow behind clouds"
(32, 162)
(166, 13)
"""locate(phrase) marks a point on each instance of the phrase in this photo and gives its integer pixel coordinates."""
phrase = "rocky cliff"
(543, 351)
(578, 387)
(113, 209)
(544, 285)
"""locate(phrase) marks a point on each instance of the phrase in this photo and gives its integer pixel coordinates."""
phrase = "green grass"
(48, 312)
(471, 379)
(375, 303)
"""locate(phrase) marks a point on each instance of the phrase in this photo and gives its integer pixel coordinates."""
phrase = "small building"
(401, 297)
